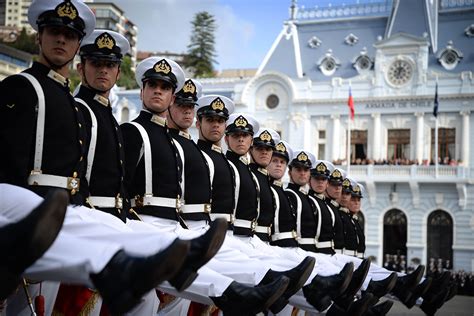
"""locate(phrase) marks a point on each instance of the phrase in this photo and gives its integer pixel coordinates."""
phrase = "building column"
(419, 136)
(466, 115)
(377, 137)
(335, 137)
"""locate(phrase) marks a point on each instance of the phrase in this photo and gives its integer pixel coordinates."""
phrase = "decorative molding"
(462, 194)
(415, 192)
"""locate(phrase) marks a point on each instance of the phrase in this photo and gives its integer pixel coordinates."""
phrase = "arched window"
(395, 240)
(440, 241)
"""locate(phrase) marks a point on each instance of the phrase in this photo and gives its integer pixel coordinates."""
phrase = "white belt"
(228, 217)
(360, 255)
(350, 252)
(70, 183)
(307, 241)
(196, 208)
(105, 201)
(324, 244)
(339, 251)
(263, 229)
(157, 201)
(287, 235)
(242, 223)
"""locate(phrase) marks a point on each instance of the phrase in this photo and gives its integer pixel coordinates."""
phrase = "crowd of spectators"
(436, 266)
(400, 162)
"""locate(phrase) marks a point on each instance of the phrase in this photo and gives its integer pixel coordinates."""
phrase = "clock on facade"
(399, 72)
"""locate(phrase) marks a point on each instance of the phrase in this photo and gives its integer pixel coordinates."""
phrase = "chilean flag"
(350, 103)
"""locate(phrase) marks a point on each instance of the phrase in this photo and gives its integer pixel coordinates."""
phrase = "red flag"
(350, 103)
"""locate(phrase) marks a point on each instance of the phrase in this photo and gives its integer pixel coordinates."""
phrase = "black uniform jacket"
(267, 201)
(223, 184)
(338, 224)
(108, 170)
(286, 217)
(327, 230)
(246, 208)
(197, 182)
(166, 165)
(309, 221)
(65, 135)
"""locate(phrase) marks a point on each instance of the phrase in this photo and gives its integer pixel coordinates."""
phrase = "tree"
(26, 43)
(127, 76)
(201, 51)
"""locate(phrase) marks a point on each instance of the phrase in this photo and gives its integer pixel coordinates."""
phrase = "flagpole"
(436, 132)
(349, 118)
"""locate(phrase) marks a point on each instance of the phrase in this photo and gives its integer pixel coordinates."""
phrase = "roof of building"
(343, 33)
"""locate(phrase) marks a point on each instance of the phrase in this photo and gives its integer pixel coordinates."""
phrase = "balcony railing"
(394, 173)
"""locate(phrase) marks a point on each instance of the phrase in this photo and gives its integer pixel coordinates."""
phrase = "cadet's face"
(211, 128)
(262, 155)
(354, 204)
(157, 95)
(182, 115)
(319, 185)
(345, 198)
(277, 167)
(334, 191)
(239, 142)
(299, 175)
(100, 74)
(58, 45)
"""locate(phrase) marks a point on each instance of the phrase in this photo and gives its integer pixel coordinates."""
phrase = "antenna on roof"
(293, 10)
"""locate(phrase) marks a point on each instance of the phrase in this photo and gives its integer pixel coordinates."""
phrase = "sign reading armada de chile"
(399, 105)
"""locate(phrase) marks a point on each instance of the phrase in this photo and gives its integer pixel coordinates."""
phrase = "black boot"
(420, 290)
(430, 306)
(382, 287)
(322, 289)
(358, 277)
(298, 277)
(360, 306)
(240, 299)
(406, 284)
(453, 290)
(125, 279)
(380, 309)
(24, 242)
(203, 248)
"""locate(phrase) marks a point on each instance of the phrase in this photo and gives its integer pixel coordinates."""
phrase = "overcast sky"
(246, 29)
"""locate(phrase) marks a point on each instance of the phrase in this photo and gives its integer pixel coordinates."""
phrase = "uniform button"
(80, 141)
(121, 161)
(77, 109)
(80, 159)
(80, 125)
(120, 145)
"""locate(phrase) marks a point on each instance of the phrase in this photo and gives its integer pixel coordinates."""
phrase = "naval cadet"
(318, 183)
(333, 195)
(264, 142)
(212, 111)
(101, 55)
(41, 124)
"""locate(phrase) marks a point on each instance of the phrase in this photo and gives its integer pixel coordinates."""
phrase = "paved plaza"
(458, 306)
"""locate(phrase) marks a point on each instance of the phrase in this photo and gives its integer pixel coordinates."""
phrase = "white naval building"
(391, 54)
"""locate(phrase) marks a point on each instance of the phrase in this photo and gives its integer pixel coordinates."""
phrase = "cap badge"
(189, 87)
(336, 174)
(217, 104)
(105, 41)
(356, 189)
(302, 156)
(66, 9)
(281, 147)
(321, 167)
(265, 136)
(241, 121)
(162, 66)
(346, 183)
